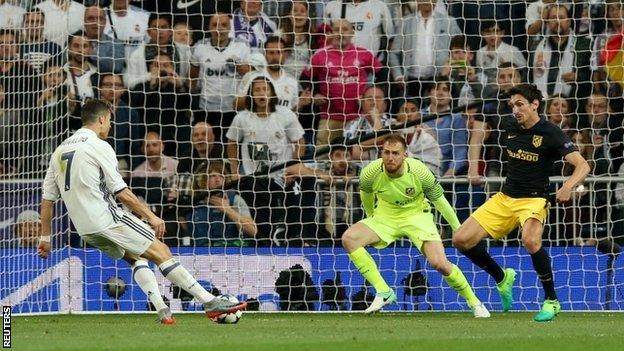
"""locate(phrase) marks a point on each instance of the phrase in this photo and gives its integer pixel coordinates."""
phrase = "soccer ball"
(228, 318)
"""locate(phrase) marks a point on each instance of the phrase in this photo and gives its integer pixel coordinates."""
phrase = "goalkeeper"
(393, 191)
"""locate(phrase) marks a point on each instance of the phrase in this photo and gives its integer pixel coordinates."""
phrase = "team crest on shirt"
(409, 191)
(537, 140)
(369, 15)
(137, 28)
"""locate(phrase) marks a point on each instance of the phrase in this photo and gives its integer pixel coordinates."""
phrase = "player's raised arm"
(581, 170)
(434, 192)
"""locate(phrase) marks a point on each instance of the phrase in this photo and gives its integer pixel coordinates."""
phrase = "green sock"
(366, 265)
(457, 281)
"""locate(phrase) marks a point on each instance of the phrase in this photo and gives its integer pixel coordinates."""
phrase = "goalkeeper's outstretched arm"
(434, 192)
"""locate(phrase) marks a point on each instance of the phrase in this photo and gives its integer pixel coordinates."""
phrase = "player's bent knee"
(461, 241)
(532, 244)
(349, 242)
(158, 252)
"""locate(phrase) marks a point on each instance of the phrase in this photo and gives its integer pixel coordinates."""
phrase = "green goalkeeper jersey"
(410, 193)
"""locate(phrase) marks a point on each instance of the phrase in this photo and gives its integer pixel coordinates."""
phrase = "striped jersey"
(83, 173)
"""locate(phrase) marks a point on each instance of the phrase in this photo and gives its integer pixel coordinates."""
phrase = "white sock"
(178, 275)
(146, 279)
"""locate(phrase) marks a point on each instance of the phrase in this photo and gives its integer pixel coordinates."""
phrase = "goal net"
(245, 124)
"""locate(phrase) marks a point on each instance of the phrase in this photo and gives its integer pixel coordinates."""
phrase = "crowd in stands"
(210, 97)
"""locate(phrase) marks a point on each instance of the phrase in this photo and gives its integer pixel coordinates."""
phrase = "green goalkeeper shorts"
(418, 228)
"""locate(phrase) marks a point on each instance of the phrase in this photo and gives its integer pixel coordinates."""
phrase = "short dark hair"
(76, 34)
(459, 42)
(93, 109)
(437, 81)
(275, 39)
(488, 24)
(273, 100)
(508, 64)
(158, 16)
(396, 138)
(529, 92)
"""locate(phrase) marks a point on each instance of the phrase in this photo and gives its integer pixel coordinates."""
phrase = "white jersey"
(81, 85)
(369, 18)
(286, 87)
(60, 24)
(130, 29)
(11, 16)
(83, 172)
(217, 69)
(265, 141)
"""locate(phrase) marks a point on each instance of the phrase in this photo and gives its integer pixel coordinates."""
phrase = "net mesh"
(255, 205)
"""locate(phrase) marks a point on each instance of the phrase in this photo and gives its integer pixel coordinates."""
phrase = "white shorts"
(130, 234)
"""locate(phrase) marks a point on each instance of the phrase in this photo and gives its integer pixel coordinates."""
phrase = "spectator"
(127, 24)
(336, 192)
(297, 31)
(261, 137)
(21, 88)
(195, 13)
(156, 164)
(58, 105)
(277, 133)
(160, 41)
(536, 16)
(34, 48)
(373, 117)
(182, 34)
(107, 53)
(164, 104)
(154, 180)
(339, 82)
(613, 30)
(215, 63)
(222, 218)
(449, 130)
(421, 143)
(7, 121)
(371, 19)
(287, 87)
(421, 47)
(82, 74)
(64, 17)
(127, 128)
(20, 80)
(487, 133)
(28, 229)
(559, 112)
(467, 82)
(183, 42)
(205, 151)
(11, 16)
(561, 61)
(251, 25)
(495, 52)
(605, 126)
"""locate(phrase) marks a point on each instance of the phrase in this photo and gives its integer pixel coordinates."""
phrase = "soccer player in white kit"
(83, 173)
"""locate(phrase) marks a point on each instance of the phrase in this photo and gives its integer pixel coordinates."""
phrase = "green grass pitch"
(289, 331)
